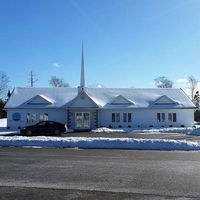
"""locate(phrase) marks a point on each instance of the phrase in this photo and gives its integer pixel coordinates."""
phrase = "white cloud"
(99, 86)
(56, 65)
(96, 85)
(181, 80)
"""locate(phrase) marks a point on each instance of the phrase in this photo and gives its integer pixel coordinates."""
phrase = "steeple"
(81, 88)
(82, 83)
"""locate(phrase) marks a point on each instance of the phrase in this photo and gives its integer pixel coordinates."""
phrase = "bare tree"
(4, 80)
(192, 85)
(32, 79)
(58, 82)
(163, 82)
(196, 99)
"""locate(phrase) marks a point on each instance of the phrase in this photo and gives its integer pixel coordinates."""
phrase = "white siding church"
(83, 108)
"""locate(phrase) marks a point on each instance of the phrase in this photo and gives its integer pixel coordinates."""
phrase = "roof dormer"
(121, 100)
(164, 100)
(40, 100)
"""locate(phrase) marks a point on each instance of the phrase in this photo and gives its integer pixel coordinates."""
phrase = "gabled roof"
(164, 100)
(141, 98)
(121, 100)
(57, 96)
(40, 100)
(83, 100)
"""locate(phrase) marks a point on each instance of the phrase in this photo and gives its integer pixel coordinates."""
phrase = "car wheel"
(57, 132)
(28, 133)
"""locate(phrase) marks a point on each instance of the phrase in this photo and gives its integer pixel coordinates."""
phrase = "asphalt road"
(27, 173)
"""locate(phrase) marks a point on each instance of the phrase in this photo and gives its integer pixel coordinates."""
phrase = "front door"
(82, 120)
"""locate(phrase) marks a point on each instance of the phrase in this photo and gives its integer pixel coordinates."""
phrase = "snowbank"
(185, 130)
(143, 130)
(195, 132)
(108, 130)
(98, 143)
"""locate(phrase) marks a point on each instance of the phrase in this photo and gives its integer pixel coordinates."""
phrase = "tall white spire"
(82, 83)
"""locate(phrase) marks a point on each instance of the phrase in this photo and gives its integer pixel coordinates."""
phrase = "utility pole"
(33, 79)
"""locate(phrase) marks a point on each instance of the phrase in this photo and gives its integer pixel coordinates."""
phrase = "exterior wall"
(82, 103)
(145, 118)
(141, 118)
(53, 115)
(72, 113)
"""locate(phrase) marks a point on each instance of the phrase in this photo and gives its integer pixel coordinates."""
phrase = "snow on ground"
(108, 130)
(3, 122)
(104, 143)
(4, 130)
(98, 143)
(172, 130)
(195, 131)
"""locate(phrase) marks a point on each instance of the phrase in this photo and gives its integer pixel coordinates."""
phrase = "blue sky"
(127, 43)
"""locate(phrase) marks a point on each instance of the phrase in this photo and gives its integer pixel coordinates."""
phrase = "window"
(28, 117)
(44, 117)
(31, 117)
(78, 120)
(174, 117)
(86, 120)
(117, 117)
(83, 120)
(129, 117)
(124, 117)
(170, 117)
(163, 117)
(113, 117)
(158, 117)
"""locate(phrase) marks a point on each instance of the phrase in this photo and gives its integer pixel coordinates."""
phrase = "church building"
(83, 108)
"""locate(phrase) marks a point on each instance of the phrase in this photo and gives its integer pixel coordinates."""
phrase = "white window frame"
(44, 117)
(82, 120)
(125, 117)
(129, 120)
(174, 117)
(116, 117)
(162, 117)
(113, 118)
(32, 117)
(158, 115)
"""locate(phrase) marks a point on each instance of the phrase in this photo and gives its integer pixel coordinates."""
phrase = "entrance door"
(83, 120)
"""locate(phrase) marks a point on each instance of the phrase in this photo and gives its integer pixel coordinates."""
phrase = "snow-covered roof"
(103, 97)
(58, 97)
